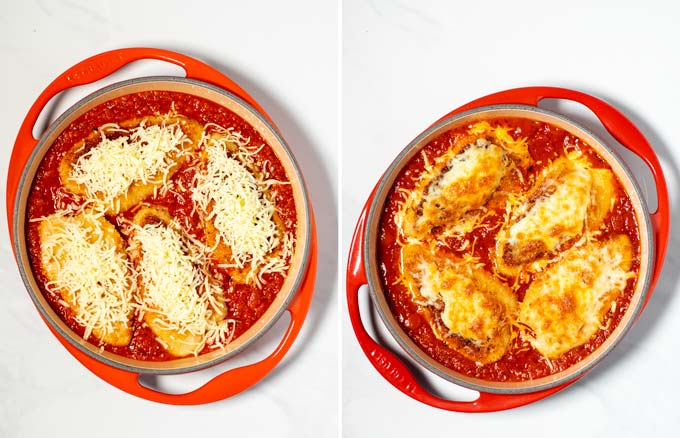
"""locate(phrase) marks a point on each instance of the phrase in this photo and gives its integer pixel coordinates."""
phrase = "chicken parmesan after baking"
(509, 249)
(160, 225)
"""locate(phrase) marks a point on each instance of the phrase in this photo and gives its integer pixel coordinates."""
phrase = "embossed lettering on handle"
(393, 371)
(96, 68)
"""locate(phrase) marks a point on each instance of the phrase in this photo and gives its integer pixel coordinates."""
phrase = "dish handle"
(91, 70)
(623, 130)
(230, 382)
(392, 368)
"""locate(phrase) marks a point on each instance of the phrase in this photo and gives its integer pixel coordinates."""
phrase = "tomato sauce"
(246, 303)
(545, 143)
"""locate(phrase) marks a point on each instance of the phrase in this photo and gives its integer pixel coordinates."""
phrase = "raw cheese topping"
(157, 234)
(234, 199)
(109, 169)
(87, 265)
(177, 288)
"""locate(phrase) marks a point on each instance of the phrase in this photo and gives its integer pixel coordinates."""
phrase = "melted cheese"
(183, 305)
(468, 308)
(566, 304)
(84, 260)
(231, 196)
(548, 237)
(567, 200)
(560, 210)
(120, 171)
(602, 197)
(517, 149)
(454, 194)
(467, 182)
(459, 183)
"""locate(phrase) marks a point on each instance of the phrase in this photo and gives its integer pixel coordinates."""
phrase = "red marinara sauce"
(521, 362)
(246, 303)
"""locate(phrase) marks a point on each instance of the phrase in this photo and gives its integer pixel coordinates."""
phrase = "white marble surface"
(284, 54)
(405, 64)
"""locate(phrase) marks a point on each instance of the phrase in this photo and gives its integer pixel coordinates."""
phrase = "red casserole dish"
(362, 265)
(206, 83)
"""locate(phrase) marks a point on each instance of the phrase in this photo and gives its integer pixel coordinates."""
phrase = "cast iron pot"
(201, 81)
(363, 266)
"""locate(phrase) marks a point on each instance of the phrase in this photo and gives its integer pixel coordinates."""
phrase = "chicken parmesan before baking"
(509, 250)
(160, 226)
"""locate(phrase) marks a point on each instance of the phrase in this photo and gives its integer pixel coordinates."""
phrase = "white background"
(405, 64)
(285, 55)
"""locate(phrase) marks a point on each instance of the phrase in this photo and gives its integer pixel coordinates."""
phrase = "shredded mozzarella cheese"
(84, 264)
(177, 286)
(233, 197)
(109, 169)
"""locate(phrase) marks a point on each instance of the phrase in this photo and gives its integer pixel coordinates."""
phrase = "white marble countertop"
(405, 64)
(285, 56)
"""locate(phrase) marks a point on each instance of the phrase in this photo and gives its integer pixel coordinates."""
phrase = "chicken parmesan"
(567, 303)
(183, 304)
(566, 201)
(471, 310)
(87, 268)
(453, 190)
(119, 165)
(160, 225)
(509, 249)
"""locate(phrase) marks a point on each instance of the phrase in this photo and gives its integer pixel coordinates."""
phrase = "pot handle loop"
(623, 130)
(91, 70)
(392, 368)
(228, 383)
(104, 64)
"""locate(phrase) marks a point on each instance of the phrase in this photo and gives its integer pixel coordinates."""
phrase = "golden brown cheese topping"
(502, 252)
(472, 311)
(567, 200)
(461, 183)
(566, 304)
(451, 194)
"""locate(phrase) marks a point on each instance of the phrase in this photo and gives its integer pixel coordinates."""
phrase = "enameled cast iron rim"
(20, 207)
(390, 322)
